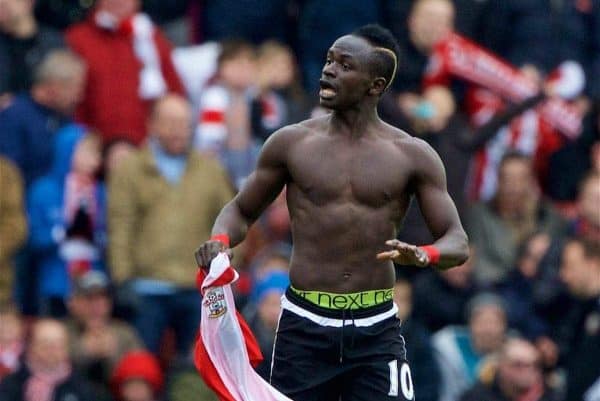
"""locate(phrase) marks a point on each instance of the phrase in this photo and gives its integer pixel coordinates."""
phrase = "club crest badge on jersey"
(214, 300)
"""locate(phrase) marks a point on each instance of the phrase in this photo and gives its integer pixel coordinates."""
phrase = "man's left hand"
(404, 254)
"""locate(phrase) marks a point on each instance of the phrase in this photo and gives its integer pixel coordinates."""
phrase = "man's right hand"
(208, 251)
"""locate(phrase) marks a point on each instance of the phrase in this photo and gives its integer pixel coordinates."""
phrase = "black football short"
(331, 355)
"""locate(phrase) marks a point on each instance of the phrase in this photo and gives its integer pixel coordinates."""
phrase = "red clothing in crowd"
(112, 103)
(140, 365)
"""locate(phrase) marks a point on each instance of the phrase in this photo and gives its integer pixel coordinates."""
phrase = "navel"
(347, 275)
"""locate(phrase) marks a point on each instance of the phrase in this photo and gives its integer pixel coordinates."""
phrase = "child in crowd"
(281, 100)
(66, 209)
(225, 121)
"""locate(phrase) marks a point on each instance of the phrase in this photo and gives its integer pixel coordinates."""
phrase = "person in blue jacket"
(66, 210)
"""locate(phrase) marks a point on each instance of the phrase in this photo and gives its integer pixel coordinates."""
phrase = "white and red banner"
(458, 57)
(226, 349)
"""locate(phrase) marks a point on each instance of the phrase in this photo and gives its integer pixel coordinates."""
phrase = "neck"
(354, 122)
(24, 27)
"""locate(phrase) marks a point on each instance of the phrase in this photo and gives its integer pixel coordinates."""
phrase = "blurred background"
(126, 125)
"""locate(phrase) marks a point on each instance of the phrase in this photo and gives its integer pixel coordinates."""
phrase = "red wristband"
(222, 238)
(433, 253)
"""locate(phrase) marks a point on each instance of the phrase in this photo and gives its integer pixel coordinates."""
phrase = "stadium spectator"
(569, 165)
(425, 372)
(28, 124)
(97, 342)
(138, 377)
(66, 210)
(23, 45)
(578, 333)
(225, 121)
(462, 351)
(497, 227)
(408, 105)
(162, 202)
(281, 99)
(518, 377)
(12, 338)
(116, 40)
(517, 289)
(468, 17)
(47, 373)
(520, 291)
(441, 296)
(427, 112)
(263, 312)
(587, 222)
(13, 225)
(502, 127)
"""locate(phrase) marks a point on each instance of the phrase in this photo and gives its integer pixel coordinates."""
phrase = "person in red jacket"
(129, 65)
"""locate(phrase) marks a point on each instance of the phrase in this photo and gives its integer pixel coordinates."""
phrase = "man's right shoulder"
(296, 132)
(290, 135)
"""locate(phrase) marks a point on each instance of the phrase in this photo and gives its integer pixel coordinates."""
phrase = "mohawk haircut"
(385, 63)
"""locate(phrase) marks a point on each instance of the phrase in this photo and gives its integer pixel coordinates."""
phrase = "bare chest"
(366, 172)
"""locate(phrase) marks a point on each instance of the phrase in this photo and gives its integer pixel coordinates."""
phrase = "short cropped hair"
(58, 65)
(386, 62)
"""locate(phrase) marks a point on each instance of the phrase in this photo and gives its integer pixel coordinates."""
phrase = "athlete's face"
(346, 78)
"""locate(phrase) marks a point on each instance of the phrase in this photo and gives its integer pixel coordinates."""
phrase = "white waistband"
(330, 322)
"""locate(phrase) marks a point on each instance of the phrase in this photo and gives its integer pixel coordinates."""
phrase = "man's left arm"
(450, 247)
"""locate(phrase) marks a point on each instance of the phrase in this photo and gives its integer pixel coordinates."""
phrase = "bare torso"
(346, 197)
(349, 178)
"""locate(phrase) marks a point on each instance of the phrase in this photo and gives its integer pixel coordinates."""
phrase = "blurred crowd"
(126, 125)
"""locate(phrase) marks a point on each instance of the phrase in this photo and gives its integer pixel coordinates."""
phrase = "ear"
(378, 86)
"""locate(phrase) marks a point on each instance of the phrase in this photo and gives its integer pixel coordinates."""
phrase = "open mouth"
(328, 91)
